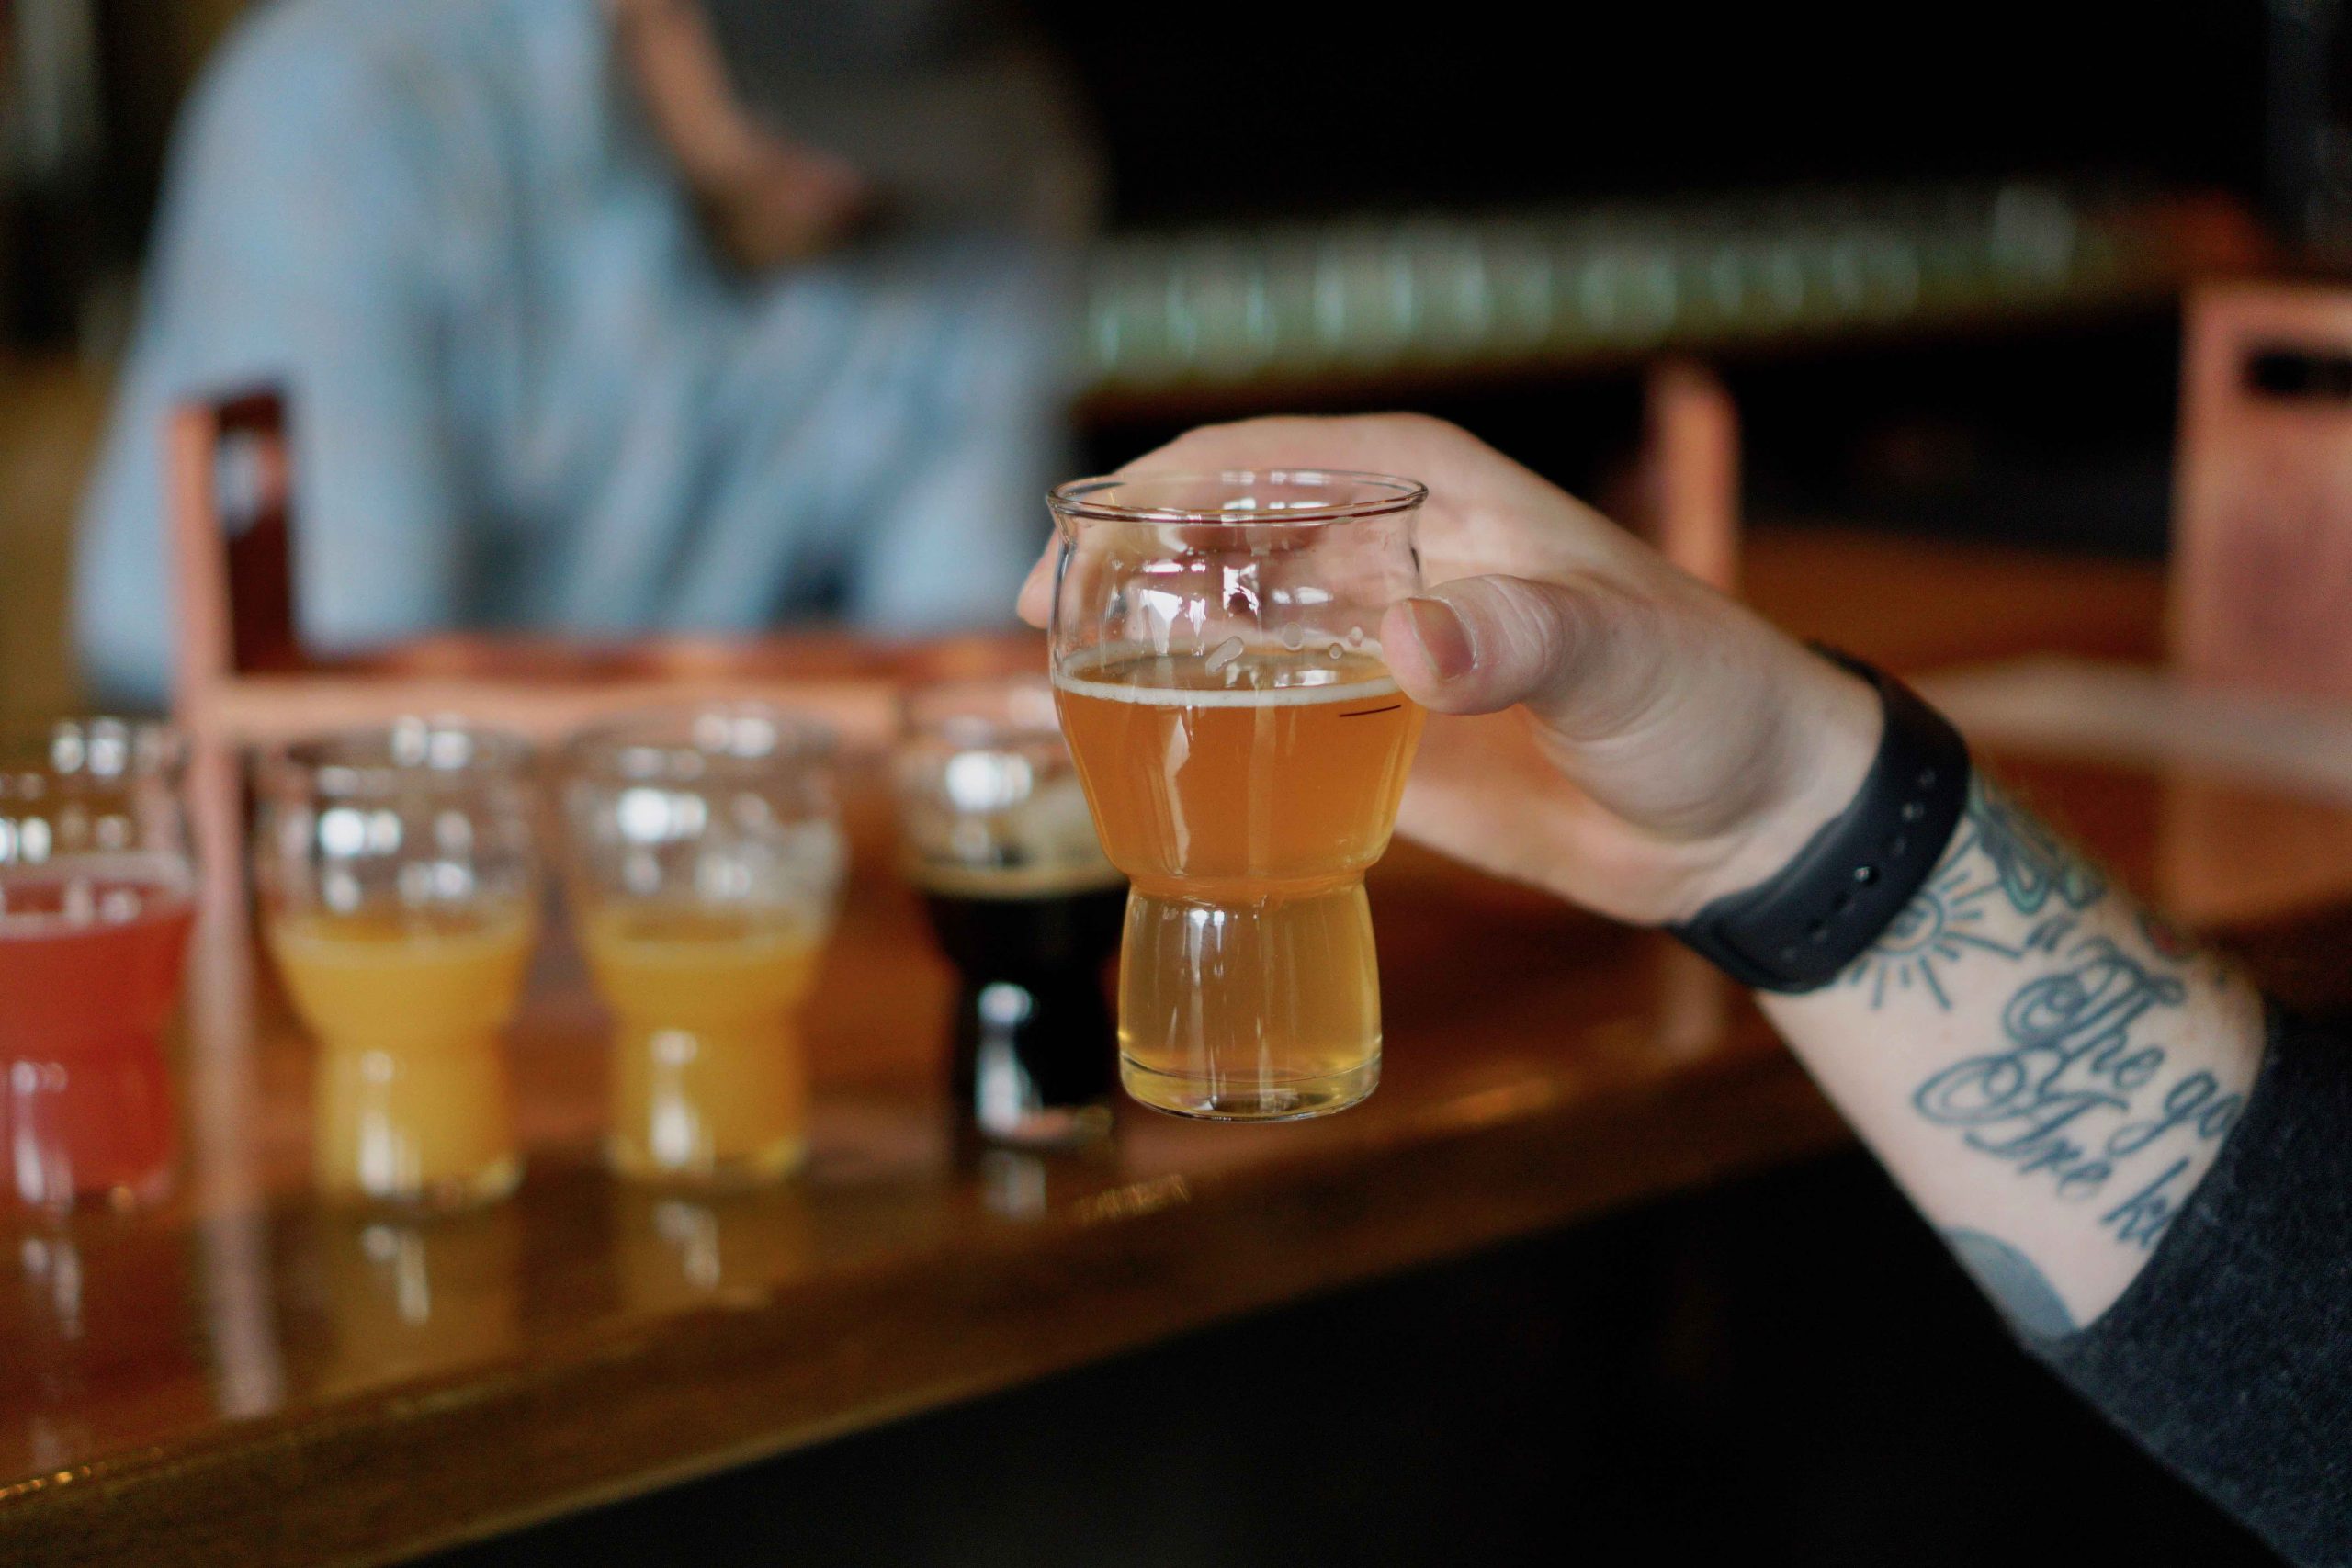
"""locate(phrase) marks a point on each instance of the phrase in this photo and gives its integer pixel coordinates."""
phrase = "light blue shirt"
(523, 392)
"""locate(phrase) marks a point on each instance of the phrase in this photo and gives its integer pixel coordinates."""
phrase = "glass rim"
(156, 747)
(667, 731)
(367, 759)
(1077, 497)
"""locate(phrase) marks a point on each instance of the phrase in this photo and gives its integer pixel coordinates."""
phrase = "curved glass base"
(1224, 1099)
(713, 1107)
(706, 1170)
(447, 1194)
(1263, 1009)
(423, 1130)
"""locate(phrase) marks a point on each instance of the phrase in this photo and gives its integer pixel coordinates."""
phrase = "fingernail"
(1443, 639)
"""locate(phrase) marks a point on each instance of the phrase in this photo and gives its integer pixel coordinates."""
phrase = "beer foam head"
(1232, 674)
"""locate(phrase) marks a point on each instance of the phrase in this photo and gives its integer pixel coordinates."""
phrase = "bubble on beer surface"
(1227, 652)
(1294, 637)
(1336, 651)
(1355, 636)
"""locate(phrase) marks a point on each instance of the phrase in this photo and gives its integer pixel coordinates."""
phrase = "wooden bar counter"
(242, 1376)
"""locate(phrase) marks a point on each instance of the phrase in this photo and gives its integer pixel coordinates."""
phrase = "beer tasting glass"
(993, 829)
(1215, 659)
(97, 898)
(706, 867)
(398, 871)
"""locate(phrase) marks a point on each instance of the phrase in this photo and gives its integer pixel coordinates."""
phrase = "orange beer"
(399, 878)
(407, 1005)
(706, 861)
(1245, 792)
(709, 1079)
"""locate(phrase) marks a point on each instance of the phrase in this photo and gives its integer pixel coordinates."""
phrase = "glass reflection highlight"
(408, 1297)
(679, 1250)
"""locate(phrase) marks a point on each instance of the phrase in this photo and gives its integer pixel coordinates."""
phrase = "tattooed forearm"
(2078, 1075)
(2049, 1070)
(2078, 1090)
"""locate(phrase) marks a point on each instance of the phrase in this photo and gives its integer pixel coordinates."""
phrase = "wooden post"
(2261, 582)
(1690, 471)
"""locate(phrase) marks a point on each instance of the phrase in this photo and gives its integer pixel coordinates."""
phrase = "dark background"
(1789, 1371)
(2058, 434)
(1222, 112)
(1226, 109)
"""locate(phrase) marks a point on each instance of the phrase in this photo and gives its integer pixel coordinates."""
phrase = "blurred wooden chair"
(243, 677)
(2261, 577)
(1690, 471)
(2262, 528)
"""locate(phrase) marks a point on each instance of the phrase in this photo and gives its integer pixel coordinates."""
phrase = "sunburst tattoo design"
(1999, 849)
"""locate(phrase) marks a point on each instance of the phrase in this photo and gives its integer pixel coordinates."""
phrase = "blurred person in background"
(605, 316)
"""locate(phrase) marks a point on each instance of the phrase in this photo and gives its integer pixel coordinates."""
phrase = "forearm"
(2043, 1066)
(669, 53)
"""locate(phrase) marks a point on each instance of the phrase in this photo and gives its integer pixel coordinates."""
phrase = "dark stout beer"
(995, 833)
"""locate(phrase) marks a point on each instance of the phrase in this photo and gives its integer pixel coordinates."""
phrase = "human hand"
(1662, 745)
(765, 199)
(782, 203)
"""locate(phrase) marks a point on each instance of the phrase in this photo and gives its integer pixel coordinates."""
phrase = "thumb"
(1585, 655)
(1036, 603)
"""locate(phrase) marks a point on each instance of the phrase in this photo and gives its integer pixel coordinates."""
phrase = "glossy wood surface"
(244, 1377)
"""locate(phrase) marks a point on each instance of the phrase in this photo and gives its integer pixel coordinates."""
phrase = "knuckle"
(1524, 640)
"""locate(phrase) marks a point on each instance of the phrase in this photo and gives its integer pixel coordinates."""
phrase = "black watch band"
(1795, 930)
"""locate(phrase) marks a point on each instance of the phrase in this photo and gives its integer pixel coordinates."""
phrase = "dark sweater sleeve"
(2230, 1356)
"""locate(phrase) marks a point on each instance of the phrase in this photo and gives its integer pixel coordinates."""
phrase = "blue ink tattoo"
(1999, 849)
(2064, 1101)
(2017, 1287)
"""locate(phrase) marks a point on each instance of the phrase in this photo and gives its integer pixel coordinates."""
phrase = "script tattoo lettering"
(2032, 862)
(2077, 1095)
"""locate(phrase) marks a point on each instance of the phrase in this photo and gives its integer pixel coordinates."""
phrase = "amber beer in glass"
(1243, 746)
(398, 871)
(706, 865)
